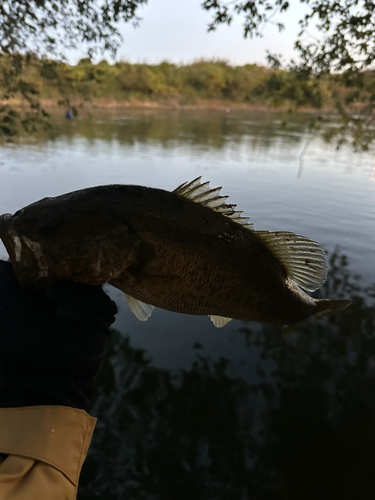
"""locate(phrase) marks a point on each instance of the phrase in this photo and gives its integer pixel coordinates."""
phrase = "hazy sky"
(176, 30)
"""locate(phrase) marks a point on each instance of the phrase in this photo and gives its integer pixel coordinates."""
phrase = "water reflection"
(198, 128)
(297, 424)
(302, 428)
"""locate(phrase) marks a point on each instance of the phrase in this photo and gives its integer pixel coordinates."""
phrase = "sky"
(176, 31)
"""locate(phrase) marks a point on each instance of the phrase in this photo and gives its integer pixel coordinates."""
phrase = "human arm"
(51, 344)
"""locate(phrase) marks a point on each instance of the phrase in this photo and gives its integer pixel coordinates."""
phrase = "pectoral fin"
(141, 310)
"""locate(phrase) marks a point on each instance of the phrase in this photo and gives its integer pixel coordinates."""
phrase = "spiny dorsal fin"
(304, 260)
(203, 194)
(141, 310)
(219, 321)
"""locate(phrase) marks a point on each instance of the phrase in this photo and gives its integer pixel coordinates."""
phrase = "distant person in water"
(52, 342)
(69, 115)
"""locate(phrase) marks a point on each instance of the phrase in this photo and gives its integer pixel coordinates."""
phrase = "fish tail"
(324, 306)
(330, 306)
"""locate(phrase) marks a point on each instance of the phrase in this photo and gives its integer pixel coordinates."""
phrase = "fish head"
(25, 255)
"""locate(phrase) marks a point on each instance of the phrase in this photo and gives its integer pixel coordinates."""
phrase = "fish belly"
(238, 280)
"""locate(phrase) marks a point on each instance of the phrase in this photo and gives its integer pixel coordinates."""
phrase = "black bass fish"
(186, 251)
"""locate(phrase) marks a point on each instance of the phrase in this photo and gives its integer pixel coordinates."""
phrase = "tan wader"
(42, 449)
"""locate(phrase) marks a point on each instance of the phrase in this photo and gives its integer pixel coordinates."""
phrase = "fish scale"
(186, 251)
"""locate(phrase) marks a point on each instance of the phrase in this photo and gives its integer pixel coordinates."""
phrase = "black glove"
(51, 341)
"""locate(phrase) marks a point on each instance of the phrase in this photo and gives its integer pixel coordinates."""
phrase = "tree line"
(187, 84)
(331, 69)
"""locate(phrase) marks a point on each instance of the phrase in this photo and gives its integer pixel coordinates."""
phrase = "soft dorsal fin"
(304, 260)
(219, 321)
(141, 310)
(203, 194)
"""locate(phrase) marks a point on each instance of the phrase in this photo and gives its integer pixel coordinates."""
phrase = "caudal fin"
(330, 306)
(325, 306)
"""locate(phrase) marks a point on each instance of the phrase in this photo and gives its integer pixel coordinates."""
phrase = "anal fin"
(219, 321)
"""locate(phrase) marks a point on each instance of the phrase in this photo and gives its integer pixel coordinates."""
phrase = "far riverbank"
(198, 104)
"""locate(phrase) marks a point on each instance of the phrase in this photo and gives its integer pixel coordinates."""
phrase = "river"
(188, 411)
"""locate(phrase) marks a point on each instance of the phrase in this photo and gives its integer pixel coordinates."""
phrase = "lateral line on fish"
(211, 198)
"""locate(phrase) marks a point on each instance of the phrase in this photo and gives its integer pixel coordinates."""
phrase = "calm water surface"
(190, 411)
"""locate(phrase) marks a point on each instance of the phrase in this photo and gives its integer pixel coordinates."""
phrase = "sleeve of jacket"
(42, 449)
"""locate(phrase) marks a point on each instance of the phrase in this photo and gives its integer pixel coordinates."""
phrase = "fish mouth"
(4, 229)
(3, 223)
(26, 256)
(13, 245)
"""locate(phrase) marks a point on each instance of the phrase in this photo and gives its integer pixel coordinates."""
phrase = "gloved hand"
(51, 341)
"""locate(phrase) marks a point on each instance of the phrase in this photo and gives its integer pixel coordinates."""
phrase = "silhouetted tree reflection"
(320, 442)
(214, 130)
(304, 429)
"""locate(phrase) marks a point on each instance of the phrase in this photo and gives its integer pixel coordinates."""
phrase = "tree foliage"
(345, 48)
(189, 84)
(44, 26)
(347, 29)
(31, 32)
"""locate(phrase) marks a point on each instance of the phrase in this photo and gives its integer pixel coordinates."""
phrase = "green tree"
(34, 32)
(345, 48)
